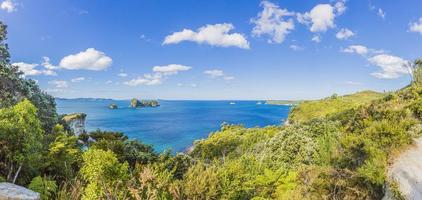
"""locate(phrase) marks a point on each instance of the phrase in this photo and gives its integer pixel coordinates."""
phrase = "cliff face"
(406, 171)
(76, 122)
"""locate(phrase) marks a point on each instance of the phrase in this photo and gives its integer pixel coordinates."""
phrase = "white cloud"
(58, 83)
(214, 73)
(8, 5)
(295, 47)
(214, 35)
(416, 26)
(391, 66)
(321, 18)
(344, 34)
(316, 38)
(340, 7)
(160, 73)
(271, 21)
(29, 69)
(147, 79)
(46, 63)
(108, 82)
(228, 78)
(359, 49)
(122, 74)
(77, 79)
(381, 13)
(362, 50)
(90, 59)
(170, 69)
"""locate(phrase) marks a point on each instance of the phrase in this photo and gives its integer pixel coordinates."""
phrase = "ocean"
(174, 125)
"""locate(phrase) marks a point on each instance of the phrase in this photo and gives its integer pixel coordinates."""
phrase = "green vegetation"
(73, 116)
(335, 148)
(335, 104)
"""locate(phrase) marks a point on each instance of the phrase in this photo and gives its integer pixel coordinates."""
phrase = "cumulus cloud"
(216, 73)
(359, 49)
(90, 59)
(344, 34)
(416, 26)
(46, 63)
(160, 73)
(58, 83)
(8, 5)
(214, 35)
(272, 21)
(77, 79)
(170, 69)
(340, 7)
(29, 69)
(321, 17)
(391, 66)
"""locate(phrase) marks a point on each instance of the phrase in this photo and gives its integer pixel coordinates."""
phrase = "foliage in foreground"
(336, 148)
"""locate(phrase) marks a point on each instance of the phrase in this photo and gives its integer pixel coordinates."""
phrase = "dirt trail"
(407, 171)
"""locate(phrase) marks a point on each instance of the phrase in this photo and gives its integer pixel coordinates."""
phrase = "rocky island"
(113, 106)
(135, 103)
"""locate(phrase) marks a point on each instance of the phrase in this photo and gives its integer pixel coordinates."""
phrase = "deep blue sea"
(174, 125)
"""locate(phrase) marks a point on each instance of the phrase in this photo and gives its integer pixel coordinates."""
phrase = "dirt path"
(407, 171)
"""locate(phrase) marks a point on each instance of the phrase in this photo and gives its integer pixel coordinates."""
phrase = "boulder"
(9, 191)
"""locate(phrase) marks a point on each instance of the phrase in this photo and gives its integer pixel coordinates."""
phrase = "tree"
(104, 174)
(137, 152)
(20, 138)
(64, 154)
(14, 87)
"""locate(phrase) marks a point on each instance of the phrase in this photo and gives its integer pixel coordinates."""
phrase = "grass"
(308, 110)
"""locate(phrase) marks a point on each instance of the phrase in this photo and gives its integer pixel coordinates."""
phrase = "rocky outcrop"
(76, 122)
(113, 106)
(135, 103)
(9, 191)
(406, 173)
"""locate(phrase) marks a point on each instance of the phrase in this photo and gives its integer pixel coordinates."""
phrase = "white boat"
(259, 103)
(232, 103)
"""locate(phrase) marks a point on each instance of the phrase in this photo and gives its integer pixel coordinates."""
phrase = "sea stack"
(134, 103)
(76, 122)
(113, 106)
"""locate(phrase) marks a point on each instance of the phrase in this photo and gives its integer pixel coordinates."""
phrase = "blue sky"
(220, 49)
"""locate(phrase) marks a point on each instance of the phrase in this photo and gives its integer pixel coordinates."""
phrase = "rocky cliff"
(76, 122)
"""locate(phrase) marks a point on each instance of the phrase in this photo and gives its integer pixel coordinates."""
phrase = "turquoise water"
(175, 124)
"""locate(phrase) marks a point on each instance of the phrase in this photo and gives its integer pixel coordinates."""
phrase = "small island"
(135, 103)
(113, 106)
